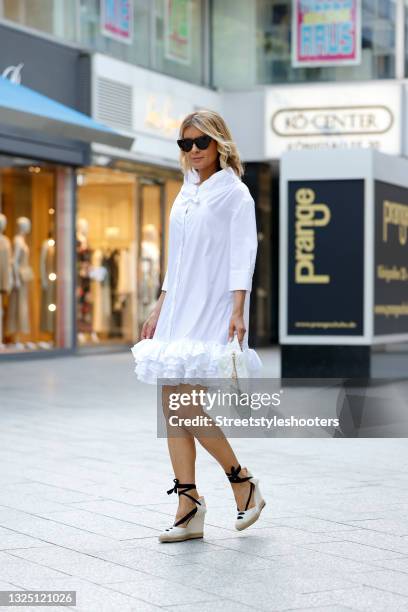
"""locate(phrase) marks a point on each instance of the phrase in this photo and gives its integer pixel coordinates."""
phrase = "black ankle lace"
(185, 487)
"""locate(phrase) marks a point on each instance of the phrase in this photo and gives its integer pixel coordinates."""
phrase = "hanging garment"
(101, 307)
(18, 319)
(5, 264)
(84, 305)
(116, 306)
(149, 285)
(212, 251)
(125, 272)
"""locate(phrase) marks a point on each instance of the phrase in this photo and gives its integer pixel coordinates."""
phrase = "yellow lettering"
(308, 216)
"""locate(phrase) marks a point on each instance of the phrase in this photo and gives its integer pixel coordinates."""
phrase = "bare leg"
(212, 438)
(182, 451)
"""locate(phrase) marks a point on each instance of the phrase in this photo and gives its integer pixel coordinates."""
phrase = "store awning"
(26, 108)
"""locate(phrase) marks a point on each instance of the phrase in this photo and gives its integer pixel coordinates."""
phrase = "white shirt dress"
(212, 251)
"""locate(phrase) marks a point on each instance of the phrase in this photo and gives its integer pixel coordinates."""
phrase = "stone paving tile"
(142, 559)
(387, 580)
(20, 571)
(207, 577)
(302, 558)
(268, 545)
(392, 542)
(353, 550)
(99, 524)
(316, 525)
(218, 606)
(95, 598)
(49, 492)
(29, 503)
(369, 599)
(10, 539)
(270, 596)
(159, 591)
(220, 558)
(384, 525)
(51, 532)
(399, 565)
(81, 565)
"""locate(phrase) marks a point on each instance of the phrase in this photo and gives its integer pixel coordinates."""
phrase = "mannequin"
(82, 232)
(5, 270)
(18, 310)
(48, 284)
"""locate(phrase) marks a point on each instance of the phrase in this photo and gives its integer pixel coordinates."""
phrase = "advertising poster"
(326, 32)
(117, 19)
(325, 258)
(391, 260)
(177, 30)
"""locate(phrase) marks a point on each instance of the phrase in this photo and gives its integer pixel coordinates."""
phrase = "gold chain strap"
(234, 371)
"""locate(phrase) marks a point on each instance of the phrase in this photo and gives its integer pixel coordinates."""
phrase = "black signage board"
(391, 259)
(325, 258)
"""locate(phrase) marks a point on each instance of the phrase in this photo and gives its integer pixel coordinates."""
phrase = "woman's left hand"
(237, 325)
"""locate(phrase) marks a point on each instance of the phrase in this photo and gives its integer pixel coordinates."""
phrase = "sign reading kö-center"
(334, 116)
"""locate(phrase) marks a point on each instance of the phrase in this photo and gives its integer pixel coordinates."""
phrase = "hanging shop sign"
(117, 20)
(326, 32)
(177, 27)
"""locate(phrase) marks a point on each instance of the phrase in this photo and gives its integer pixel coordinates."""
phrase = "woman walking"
(204, 301)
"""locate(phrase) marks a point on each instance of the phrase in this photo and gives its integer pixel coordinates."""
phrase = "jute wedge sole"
(195, 518)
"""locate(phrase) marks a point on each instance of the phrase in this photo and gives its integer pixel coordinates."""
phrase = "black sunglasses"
(202, 142)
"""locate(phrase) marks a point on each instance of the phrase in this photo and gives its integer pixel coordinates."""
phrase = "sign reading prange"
(325, 258)
(391, 259)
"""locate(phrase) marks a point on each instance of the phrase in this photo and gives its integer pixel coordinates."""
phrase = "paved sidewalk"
(83, 498)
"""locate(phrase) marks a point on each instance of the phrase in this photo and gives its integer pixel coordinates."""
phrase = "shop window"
(132, 47)
(56, 17)
(106, 257)
(35, 256)
(263, 53)
(179, 48)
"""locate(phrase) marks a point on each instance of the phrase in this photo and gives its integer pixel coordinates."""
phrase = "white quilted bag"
(233, 363)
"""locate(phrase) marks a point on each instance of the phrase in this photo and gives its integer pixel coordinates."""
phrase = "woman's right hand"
(149, 325)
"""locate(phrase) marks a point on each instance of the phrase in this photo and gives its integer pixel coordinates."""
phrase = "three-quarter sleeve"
(164, 285)
(243, 244)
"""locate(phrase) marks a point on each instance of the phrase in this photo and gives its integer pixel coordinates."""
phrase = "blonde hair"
(211, 123)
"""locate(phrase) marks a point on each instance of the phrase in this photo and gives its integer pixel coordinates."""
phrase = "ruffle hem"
(183, 360)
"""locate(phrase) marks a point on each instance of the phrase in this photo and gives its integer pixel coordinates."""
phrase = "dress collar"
(218, 181)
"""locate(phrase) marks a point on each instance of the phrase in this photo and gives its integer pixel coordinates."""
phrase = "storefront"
(122, 232)
(35, 215)
(106, 256)
(42, 143)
